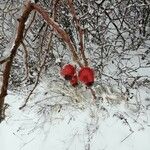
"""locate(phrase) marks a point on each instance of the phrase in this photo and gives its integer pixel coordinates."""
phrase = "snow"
(96, 127)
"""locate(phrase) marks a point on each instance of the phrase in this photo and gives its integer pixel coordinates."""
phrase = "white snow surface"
(94, 127)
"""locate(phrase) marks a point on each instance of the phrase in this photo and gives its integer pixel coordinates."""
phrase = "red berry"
(74, 81)
(86, 75)
(68, 71)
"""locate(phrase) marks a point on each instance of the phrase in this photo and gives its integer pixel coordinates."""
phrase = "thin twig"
(34, 15)
(25, 61)
(4, 60)
(127, 136)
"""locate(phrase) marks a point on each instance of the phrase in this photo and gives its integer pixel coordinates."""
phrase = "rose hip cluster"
(84, 75)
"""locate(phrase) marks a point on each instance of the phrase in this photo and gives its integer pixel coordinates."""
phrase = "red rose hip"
(68, 71)
(74, 81)
(86, 75)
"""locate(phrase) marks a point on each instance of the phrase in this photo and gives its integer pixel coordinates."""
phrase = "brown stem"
(79, 30)
(4, 60)
(58, 30)
(8, 63)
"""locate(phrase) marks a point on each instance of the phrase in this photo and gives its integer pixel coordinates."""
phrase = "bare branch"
(79, 30)
(8, 65)
(58, 30)
(4, 60)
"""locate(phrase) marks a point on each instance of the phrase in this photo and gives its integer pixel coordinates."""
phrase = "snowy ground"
(96, 127)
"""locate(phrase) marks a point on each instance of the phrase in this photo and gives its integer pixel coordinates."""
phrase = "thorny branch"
(8, 64)
(59, 30)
